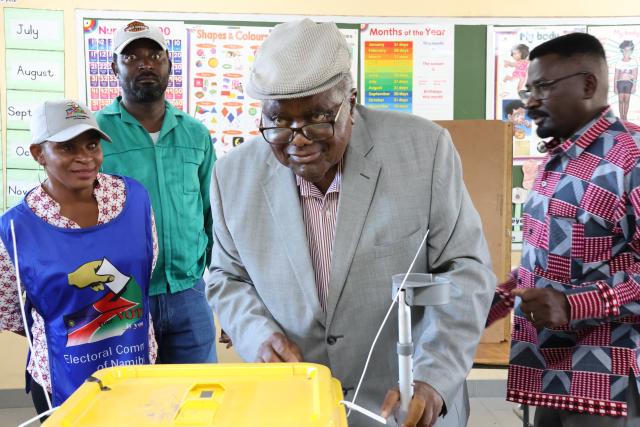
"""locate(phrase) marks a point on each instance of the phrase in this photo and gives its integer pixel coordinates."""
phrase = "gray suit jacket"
(401, 177)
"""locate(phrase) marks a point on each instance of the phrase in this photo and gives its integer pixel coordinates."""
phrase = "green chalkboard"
(470, 72)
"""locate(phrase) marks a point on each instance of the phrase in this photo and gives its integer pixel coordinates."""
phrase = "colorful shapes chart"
(220, 58)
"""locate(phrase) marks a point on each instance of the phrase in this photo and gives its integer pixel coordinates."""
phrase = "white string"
(386, 317)
(37, 417)
(363, 411)
(24, 315)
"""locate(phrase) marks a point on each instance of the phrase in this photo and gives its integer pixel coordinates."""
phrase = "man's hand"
(424, 408)
(86, 275)
(225, 339)
(278, 348)
(545, 308)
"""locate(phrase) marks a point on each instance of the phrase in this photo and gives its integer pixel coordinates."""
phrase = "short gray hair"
(345, 85)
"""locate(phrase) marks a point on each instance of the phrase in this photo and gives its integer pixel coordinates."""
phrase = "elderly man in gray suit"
(313, 219)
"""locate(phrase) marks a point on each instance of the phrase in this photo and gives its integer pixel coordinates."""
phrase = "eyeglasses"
(541, 90)
(312, 131)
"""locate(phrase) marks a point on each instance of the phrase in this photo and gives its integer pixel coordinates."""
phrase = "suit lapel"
(283, 199)
(359, 180)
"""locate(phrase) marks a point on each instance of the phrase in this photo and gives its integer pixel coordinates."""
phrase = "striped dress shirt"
(319, 212)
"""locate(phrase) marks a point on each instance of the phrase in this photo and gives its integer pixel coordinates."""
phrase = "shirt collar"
(170, 116)
(580, 140)
(98, 191)
(309, 189)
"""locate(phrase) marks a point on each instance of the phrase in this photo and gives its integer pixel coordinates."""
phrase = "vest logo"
(135, 27)
(75, 112)
(116, 311)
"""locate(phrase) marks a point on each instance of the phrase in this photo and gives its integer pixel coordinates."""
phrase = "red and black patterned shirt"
(581, 237)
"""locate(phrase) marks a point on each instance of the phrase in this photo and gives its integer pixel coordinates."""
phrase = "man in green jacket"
(172, 155)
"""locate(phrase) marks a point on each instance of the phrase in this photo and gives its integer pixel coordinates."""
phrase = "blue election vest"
(90, 285)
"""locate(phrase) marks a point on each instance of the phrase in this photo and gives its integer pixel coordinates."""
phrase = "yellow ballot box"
(230, 395)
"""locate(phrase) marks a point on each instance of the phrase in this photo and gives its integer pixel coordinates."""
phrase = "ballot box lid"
(276, 394)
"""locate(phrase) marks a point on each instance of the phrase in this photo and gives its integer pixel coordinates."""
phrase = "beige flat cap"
(298, 59)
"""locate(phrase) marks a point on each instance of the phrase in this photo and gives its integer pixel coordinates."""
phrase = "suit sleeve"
(456, 248)
(230, 292)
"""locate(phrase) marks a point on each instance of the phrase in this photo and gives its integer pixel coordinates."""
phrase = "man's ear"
(170, 63)
(37, 153)
(353, 97)
(590, 86)
(114, 68)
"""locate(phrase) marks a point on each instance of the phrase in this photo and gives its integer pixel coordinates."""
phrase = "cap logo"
(135, 27)
(75, 112)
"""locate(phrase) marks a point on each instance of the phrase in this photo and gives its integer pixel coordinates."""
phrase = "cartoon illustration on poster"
(409, 68)
(220, 58)
(102, 86)
(620, 44)
(512, 46)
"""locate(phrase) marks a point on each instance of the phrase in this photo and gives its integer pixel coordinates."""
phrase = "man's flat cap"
(298, 59)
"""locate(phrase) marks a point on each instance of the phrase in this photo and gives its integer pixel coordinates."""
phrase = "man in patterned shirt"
(576, 332)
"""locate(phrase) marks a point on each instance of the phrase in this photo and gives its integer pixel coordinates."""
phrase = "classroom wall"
(471, 8)
(14, 347)
(374, 8)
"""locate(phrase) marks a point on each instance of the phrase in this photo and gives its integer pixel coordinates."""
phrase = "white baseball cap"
(62, 120)
(136, 30)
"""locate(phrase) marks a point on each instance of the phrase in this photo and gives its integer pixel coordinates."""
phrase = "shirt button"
(543, 184)
(328, 214)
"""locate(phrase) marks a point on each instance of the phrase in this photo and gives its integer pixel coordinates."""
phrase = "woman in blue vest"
(86, 248)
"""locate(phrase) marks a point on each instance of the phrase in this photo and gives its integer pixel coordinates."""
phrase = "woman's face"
(71, 165)
(627, 52)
